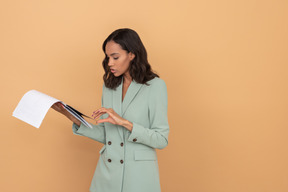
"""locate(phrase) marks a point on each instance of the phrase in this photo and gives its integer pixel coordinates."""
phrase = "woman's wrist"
(128, 125)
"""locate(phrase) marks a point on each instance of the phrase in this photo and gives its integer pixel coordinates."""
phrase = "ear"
(131, 56)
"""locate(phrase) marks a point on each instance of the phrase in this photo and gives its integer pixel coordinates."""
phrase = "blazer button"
(121, 161)
(109, 142)
(134, 140)
(121, 144)
(109, 160)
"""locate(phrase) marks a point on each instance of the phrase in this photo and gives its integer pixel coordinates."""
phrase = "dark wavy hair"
(139, 69)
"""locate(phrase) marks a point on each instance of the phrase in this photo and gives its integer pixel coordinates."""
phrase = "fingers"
(96, 114)
(104, 120)
(56, 106)
(113, 117)
(59, 107)
(101, 121)
(53, 106)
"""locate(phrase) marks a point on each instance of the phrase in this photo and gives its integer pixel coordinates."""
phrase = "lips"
(113, 70)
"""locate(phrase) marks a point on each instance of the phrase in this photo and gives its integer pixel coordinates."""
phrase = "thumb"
(102, 121)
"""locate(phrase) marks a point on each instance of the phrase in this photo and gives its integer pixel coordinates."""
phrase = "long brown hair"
(140, 70)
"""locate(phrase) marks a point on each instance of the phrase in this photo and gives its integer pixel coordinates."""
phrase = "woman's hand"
(60, 108)
(113, 118)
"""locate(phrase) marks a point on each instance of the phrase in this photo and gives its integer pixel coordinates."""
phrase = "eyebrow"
(113, 54)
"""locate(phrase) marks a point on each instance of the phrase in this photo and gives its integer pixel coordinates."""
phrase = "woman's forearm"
(72, 118)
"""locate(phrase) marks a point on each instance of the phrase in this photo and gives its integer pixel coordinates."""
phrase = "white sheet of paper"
(33, 107)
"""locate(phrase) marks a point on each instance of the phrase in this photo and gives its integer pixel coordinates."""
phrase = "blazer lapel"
(130, 94)
(117, 102)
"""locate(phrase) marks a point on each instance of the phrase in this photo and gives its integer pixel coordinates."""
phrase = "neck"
(127, 78)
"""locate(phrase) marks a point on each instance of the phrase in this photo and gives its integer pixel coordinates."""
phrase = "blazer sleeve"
(155, 136)
(97, 132)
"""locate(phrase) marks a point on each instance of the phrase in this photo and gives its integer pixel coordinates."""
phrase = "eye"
(115, 58)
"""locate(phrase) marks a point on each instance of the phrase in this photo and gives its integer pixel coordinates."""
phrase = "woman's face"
(119, 59)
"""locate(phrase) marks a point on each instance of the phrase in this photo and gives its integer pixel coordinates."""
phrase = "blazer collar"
(117, 99)
(132, 91)
(119, 106)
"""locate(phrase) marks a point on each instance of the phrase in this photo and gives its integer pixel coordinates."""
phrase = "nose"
(110, 62)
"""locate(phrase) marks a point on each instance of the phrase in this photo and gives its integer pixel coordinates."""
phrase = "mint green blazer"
(128, 160)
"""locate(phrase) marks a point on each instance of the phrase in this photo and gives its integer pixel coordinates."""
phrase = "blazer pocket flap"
(145, 155)
(102, 149)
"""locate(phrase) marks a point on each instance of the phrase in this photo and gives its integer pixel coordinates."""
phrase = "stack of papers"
(34, 105)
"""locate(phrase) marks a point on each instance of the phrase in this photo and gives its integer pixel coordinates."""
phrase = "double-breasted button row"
(121, 144)
(121, 161)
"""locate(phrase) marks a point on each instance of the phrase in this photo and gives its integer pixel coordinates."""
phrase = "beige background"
(225, 65)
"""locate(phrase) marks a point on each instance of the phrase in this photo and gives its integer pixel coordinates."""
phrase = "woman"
(133, 118)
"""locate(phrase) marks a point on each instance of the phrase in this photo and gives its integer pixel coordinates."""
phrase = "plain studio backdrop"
(225, 66)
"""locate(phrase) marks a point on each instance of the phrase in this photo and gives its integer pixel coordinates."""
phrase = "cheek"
(125, 64)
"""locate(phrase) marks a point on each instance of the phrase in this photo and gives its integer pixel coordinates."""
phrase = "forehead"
(112, 47)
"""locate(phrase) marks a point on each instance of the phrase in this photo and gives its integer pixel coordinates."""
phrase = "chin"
(116, 74)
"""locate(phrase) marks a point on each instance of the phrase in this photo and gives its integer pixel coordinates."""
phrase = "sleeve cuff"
(79, 130)
(136, 133)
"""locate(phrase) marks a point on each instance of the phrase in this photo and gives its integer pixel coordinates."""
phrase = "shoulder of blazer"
(156, 82)
(105, 89)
